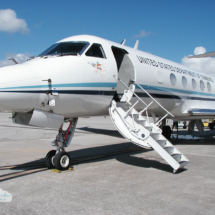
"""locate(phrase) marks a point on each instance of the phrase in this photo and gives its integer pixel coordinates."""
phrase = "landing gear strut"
(59, 158)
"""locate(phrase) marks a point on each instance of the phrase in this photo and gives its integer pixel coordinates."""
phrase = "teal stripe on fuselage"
(110, 85)
(165, 89)
(101, 84)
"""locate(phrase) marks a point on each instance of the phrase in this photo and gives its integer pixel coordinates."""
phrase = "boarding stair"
(137, 129)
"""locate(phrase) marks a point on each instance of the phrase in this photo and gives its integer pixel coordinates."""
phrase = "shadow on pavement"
(145, 163)
(121, 152)
(113, 133)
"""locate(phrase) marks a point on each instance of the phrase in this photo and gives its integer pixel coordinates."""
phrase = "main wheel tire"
(62, 161)
(49, 160)
(167, 132)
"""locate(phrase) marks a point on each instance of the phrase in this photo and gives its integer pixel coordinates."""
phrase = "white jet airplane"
(85, 76)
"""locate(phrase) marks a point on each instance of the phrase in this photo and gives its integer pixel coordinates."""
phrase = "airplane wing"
(209, 54)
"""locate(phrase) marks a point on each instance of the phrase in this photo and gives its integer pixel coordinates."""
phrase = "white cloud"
(142, 33)
(199, 50)
(206, 65)
(20, 58)
(10, 23)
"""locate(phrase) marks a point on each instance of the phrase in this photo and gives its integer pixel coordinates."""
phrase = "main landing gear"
(60, 159)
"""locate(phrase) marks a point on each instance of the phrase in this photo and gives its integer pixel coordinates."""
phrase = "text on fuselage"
(172, 68)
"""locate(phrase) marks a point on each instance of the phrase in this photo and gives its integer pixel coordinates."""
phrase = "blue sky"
(173, 29)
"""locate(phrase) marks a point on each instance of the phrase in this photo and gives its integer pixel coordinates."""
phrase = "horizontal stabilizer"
(209, 54)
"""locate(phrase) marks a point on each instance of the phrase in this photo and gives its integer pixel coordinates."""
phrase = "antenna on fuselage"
(136, 44)
(14, 60)
(123, 42)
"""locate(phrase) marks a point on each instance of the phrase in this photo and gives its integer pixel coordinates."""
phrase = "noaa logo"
(99, 69)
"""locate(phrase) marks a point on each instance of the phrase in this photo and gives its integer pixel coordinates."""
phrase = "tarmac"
(110, 175)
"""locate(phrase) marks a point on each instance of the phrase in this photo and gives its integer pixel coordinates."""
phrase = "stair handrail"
(147, 105)
(132, 92)
(153, 98)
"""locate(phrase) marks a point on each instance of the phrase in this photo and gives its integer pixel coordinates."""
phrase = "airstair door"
(121, 110)
(126, 74)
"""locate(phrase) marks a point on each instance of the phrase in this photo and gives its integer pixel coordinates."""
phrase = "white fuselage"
(85, 85)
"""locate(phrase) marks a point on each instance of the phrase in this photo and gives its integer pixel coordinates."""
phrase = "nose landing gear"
(59, 158)
(62, 161)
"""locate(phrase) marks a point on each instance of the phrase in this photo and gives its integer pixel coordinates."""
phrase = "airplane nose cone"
(16, 85)
(14, 75)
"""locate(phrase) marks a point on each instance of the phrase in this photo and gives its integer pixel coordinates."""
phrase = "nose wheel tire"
(49, 160)
(62, 161)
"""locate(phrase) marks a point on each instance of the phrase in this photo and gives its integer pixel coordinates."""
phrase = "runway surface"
(110, 176)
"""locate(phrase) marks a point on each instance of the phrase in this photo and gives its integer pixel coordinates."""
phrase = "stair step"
(177, 157)
(141, 122)
(170, 150)
(149, 128)
(162, 143)
(139, 117)
(155, 135)
(183, 163)
(136, 115)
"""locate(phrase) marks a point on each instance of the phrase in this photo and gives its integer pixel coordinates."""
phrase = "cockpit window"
(96, 50)
(66, 48)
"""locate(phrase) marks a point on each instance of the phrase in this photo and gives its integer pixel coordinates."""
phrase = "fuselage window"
(96, 50)
(194, 83)
(209, 87)
(184, 81)
(202, 85)
(173, 79)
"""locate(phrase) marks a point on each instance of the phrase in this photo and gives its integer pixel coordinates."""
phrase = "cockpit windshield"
(66, 48)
